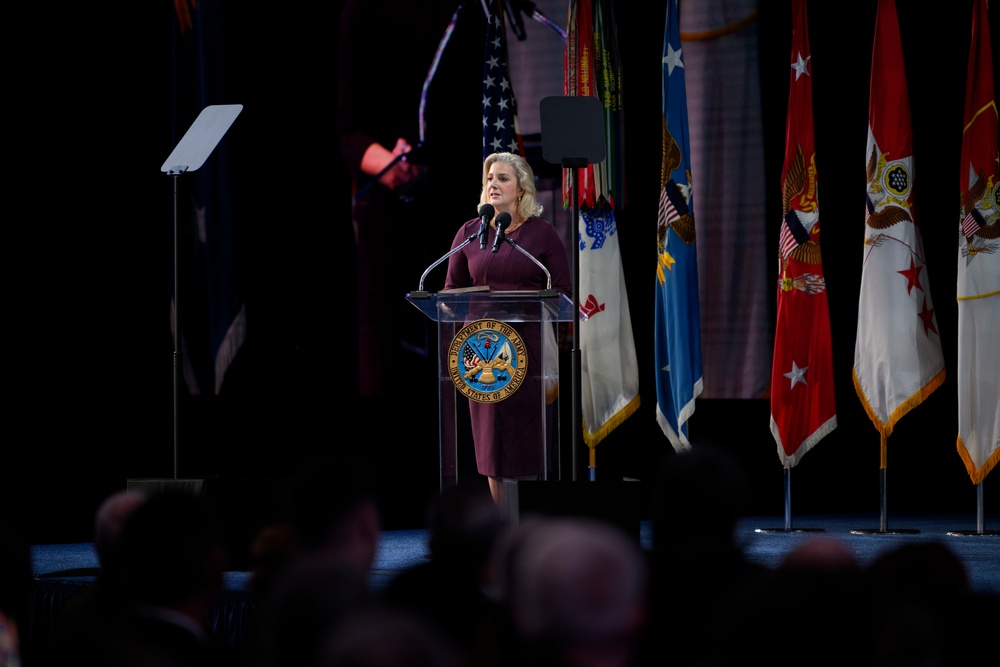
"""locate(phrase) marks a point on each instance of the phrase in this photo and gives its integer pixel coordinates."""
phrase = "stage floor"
(764, 539)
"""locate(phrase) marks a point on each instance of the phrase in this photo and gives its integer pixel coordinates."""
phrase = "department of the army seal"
(487, 361)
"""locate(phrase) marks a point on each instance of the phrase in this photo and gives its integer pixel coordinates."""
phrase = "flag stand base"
(883, 528)
(884, 531)
(789, 530)
(787, 473)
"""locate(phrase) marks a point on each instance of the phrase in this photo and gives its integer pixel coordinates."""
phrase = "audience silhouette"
(173, 560)
(812, 608)
(84, 621)
(919, 590)
(15, 597)
(329, 510)
(697, 565)
(545, 590)
(384, 636)
(449, 589)
(311, 570)
(575, 593)
(309, 600)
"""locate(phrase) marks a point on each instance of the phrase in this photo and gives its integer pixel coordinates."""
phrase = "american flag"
(793, 234)
(971, 222)
(501, 132)
(469, 357)
(672, 204)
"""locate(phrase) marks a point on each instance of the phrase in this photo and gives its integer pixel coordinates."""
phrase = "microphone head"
(503, 220)
(486, 211)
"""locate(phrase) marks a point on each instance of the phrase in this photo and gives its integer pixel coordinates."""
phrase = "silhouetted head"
(172, 550)
(701, 496)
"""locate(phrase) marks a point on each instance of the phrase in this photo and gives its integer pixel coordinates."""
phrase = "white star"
(801, 66)
(797, 375)
(672, 59)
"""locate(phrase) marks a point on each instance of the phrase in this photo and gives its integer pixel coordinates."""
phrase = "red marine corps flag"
(897, 355)
(803, 409)
(979, 263)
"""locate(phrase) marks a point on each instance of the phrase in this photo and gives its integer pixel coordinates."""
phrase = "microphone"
(486, 212)
(503, 221)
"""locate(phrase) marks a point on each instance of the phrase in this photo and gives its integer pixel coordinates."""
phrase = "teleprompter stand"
(241, 502)
(188, 156)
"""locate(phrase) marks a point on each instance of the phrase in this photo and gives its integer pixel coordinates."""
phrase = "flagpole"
(788, 511)
(575, 434)
(883, 462)
(883, 528)
(980, 518)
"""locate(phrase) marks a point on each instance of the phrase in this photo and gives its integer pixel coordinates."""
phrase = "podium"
(476, 325)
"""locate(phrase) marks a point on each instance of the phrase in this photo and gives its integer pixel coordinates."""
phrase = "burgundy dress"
(507, 434)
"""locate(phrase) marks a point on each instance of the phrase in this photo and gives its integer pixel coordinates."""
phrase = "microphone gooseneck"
(502, 222)
(486, 212)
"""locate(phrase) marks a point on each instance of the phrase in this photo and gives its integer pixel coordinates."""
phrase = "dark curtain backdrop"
(89, 399)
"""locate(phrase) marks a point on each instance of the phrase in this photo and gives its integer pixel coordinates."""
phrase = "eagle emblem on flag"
(981, 215)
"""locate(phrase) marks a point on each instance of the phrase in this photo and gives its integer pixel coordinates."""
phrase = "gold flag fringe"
(593, 439)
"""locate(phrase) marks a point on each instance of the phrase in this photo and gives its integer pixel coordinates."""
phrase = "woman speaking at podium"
(507, 434)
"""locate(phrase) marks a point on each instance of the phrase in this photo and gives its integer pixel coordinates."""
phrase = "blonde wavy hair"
(528, 206)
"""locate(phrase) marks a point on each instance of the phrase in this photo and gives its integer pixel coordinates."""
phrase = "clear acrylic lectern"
(534, 316)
